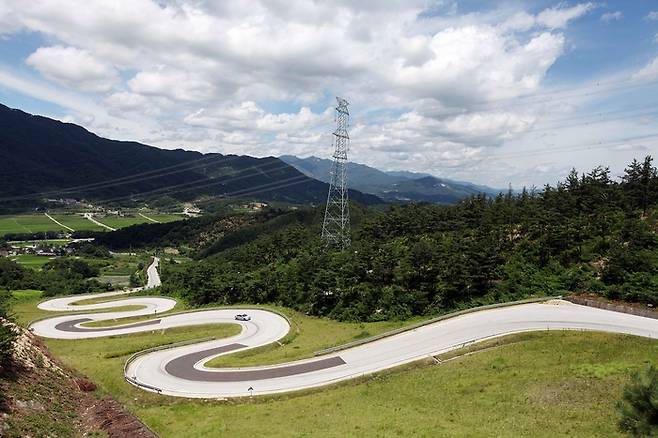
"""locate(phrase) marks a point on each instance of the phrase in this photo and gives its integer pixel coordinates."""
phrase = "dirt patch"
(593, 300)
(41, 397)
(108, 415)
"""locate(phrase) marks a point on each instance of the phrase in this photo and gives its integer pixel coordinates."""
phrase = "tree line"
(589, 233)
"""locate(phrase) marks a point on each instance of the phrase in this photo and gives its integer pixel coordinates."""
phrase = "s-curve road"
(180, 371)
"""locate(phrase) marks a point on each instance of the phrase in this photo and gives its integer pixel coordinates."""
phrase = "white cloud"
(73, 68)
(653, 15)
(612, 16)
(559, 16)
(648, 72)
(431, 90)
(175, 84)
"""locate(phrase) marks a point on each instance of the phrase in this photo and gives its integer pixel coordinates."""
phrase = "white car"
(242, 317)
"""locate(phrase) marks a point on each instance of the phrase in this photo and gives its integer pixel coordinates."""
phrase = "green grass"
(546, 384)
(45, 242)
(307, 336)
(24, 306)
(31, 260)
(34, 223)
(77, 222)
(164, 218)
(121, 222)
(27, 223)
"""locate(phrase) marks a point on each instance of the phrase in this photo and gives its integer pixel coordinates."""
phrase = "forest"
(590, 233)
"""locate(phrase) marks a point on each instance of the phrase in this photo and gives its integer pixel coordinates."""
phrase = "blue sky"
(492, 92)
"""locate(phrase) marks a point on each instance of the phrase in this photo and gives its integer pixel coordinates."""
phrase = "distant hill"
(401, 186)
(42, 158)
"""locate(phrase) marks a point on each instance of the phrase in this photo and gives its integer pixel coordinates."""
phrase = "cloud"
(653, 16)
(559, 16)
(648, 72)
(73, 68)
(431, 88)
(612, 16)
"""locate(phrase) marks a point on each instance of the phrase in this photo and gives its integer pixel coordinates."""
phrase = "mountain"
(400, 186)
(43, 158)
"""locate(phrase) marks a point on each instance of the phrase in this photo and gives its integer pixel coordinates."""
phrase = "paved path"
(58, 222)
(90, 217)
(180, 371)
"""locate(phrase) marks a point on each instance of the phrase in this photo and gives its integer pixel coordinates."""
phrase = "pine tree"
(639, 407)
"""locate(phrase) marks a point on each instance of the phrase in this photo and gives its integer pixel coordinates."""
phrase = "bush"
(639, 407)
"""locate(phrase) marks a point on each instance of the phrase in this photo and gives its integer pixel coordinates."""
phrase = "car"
(242, 317)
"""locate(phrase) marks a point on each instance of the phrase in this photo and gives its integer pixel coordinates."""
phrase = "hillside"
(589, 234)
(400, 186)
(43, 158)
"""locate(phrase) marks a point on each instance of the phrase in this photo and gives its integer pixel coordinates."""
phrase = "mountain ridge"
(393, 186)
(42, 157)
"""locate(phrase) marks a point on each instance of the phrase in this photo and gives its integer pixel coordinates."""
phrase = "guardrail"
(431, 321)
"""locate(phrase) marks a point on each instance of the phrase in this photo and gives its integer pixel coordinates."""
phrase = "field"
(34, 223)
(77, 222)
(121, 222)
(28, 223)
(31, 260)
(47, 242)
(533, 384)
(165, 217)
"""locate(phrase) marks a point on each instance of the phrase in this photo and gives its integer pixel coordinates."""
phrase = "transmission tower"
(336, 225)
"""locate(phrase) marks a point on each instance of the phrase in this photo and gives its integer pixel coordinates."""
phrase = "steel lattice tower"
(336, 225)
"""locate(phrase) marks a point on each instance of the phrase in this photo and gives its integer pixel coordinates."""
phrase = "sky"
(497, 93)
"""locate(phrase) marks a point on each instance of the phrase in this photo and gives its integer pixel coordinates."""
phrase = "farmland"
(39, 222)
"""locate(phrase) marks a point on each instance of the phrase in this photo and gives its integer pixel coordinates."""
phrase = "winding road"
(180, 371)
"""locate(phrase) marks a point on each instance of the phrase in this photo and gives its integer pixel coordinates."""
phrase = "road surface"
(180, 371)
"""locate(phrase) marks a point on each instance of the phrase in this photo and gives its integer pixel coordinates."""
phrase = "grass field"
(534, 384)
(164, 218)
(28, 223)
(34, 223)
(31, 260)
(77, 222)
(123, 264)
(121, 222)
(45, 242)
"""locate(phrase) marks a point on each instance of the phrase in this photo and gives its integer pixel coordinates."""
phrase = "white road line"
(91, 218)
(149, 371)
(146, 217)
(58, 222)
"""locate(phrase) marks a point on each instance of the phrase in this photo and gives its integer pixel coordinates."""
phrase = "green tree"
(639, 406)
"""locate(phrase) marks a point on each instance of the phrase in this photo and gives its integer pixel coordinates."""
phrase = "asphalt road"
(181, 372)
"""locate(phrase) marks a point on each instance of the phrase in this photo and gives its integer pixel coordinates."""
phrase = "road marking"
(58, 222)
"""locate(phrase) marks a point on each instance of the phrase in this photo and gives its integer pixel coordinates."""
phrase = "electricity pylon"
(336, 225)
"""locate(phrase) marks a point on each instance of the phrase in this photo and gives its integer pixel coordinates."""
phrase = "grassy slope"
(542, 384)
